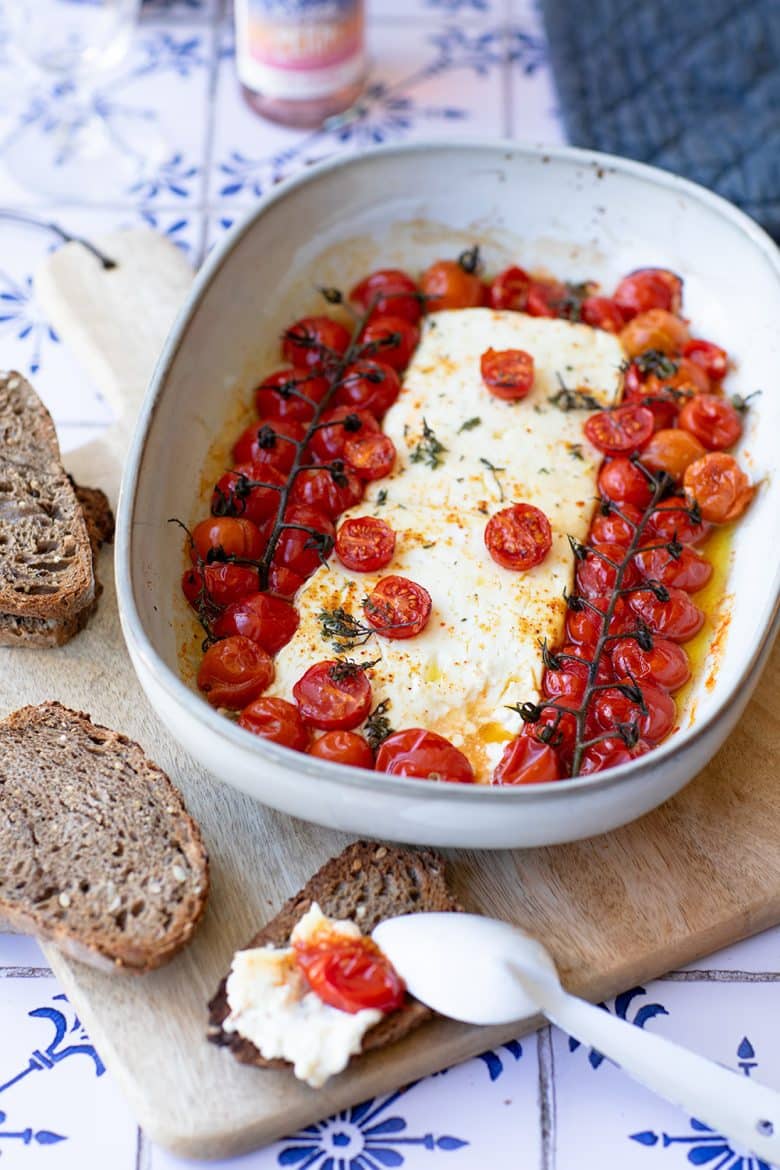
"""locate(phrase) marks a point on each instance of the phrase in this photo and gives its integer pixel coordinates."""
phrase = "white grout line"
(546, 1098)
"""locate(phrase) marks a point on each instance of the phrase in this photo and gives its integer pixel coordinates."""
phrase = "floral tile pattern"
(439, 67)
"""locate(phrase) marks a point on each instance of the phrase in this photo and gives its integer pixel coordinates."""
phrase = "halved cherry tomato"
(222, 584)
(351, 975)
(712, 420)
(365, 544)
(602, 313)
(666, 664)
(398, 608)
(369, 385)
(622, 481)
(333, 695)
(299, 549)
(672, 451)
(671, 521)
(265, 619)
(329, 491)
(343, 747)
(234, 672)
(335, 427)
(677, 619)
(612, 707)
(291, 394)
(620, 431)
(371, 456)
(609, 753)
(518, 537)
(447, 285)
(314, 341)
(233, 495)
(655, 329)
(272, 443)
(507, 373)
(688, 571)
(596, 576)
(392, 293)
(584, 626)
(283, 582)
(234, 537)
(277, 720)
(610, 528)
(390, 339)
(712, 359)
(719, 486)
(424, 754)
(509, 290)
(649, 288)
(527, 761)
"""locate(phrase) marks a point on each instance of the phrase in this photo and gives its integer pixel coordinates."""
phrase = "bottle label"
(299, 49)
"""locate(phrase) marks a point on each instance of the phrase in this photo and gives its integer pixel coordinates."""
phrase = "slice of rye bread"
(97, 851)
(45, 555)
(45, 633)
(366, 884)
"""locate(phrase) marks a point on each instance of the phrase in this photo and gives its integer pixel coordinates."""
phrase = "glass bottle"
(300, 61)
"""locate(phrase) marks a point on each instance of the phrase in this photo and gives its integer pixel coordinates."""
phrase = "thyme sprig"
(571, 398)
(377, 726)
(428, 449)
(347, 668)
(342, 629)
(496, 472)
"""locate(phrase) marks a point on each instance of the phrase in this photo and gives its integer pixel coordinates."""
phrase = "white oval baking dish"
(580, 215)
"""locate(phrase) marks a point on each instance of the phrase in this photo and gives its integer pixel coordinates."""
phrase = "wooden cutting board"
(699, 873)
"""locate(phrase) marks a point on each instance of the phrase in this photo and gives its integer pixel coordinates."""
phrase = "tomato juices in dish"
(462, 539)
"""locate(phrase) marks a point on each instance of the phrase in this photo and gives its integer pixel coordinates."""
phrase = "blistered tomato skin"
(527, 761)
(424, 755)
(685, 570)
(267, 620)
(649, 288)
(219, 584)
(388, 291)
(369, 385)
(675, 618)
(272, 442)
(227, 535)
(290, 393)
(510, 288)
(235, 671)
(656, 329)
(343, 747)
(277, 720)
(233, 495)
(665, 664)
(719, 487)
(314, 342)
(332, 697)
(603, 313)
(621, 481)
(390, 339)
(335, 427)
(447, 285)
(350, 975)
(712, 420)
(672, 451)
(711, 358)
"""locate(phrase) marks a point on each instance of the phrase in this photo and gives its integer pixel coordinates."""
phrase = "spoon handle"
(741, 1109)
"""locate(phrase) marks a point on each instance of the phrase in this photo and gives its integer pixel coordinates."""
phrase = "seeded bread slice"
(367, 883)
(45, 557)
(97, 851)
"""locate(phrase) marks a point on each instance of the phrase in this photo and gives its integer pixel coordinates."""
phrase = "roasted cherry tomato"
(369, 385)
(509, 290)
(597, 574)
(623, 482)
(518, 537)
(329, 491)
(661, 402)
(611, 528)
(221, 584)
(391, 292)
(234, 494)
(527, 761)
(265, 619)
(507, 373)
(655, 329)
(559, 684)
(390, 339)
(688, 571)
(712, 420)
(333, 695)
(677, 618)
(365, 544)
(448, 285)
(672, 450)
(350, 974)
(299, 549)
(687, 379)
(314, 341)
(278, 720)
(649, 288)
(545, 298)
(719, 486)
(272, 443)
(343, 747)
(398, 608)
(424, 754)
(335, 427)
(712, 359)
(561, 730)
(584, 626)
(602, 313)
(233, 537)
(671, 520)
(283, 582)
(234, 672)
(370, 455)
(609, 753)
(665, 664)
(620, 431)
(291, 394)
(613, 706)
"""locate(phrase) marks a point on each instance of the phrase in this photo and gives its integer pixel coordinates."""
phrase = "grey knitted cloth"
(692, 86)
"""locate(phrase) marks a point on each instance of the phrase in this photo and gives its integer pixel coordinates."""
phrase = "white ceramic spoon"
(482, 971)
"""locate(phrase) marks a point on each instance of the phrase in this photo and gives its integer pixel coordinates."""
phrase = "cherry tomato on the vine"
(620, 431)
(314, 341)
(301, 550)
(336, 426)
(507, 373)
(233, 495)
(613, 707)
(584, 626)
(221, 584)
(365, 544)
(398, 608)
(719, 486)
(597, 571)
(712, 359)
(272, 443)
(369, 385)
(665, 664)
(390, 339)
(391, 291)
(656, 329)
(602, 313)
(611, 528)
(234, 672)
(277, 720)
(328, 491)
(649, 288)
(545, 298)
(527, 761)
(609, 753)
(343, 747)
(518, 537)
(448, 285)
(623, 482)
(267, 620)
(688, 570)
(234, 537)
(425, 755)
(283, 582)
(672, 520)
(290, 393)
(671, 450)
(509, 290)
(677, 618)
(712, 420)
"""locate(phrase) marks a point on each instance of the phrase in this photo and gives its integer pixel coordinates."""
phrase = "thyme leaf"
(377, 726)
(653, 361)
(496, 472)
(342, 630)
(348, 668)
(428, 450)
(569, 398)
(469, 425)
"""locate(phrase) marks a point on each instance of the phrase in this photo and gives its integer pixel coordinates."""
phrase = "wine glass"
(72, 140)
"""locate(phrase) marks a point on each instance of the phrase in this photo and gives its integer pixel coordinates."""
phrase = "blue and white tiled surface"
(441, 67)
